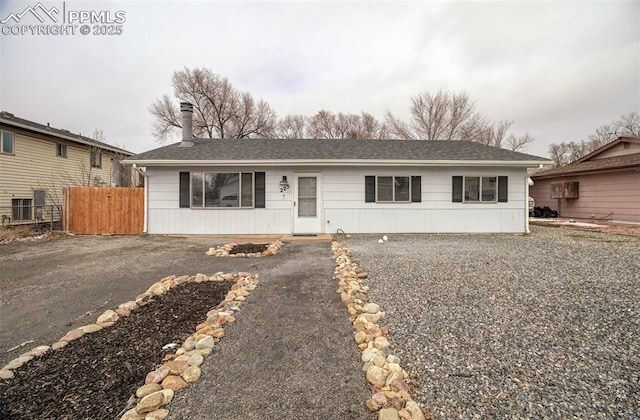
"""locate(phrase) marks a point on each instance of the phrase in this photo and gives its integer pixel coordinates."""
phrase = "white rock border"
(179, 369)
(223, 251)
(390, 383)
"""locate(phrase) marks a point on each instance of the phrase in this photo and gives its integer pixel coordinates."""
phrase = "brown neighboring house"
(605, 184)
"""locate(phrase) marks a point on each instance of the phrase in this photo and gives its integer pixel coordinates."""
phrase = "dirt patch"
(630, 229)
(249, 248)
(95, 375)
(21, 233)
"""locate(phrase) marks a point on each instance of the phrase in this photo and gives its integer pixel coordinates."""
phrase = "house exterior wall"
(343, 204)
(621, 149)
(611, 196)
(35, 166)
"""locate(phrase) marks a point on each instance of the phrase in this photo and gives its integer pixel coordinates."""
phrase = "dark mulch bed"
(248, 248)
(95, 375)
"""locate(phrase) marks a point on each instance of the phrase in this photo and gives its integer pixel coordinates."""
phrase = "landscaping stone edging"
(389, 382)
(223, 251)
(177, 370)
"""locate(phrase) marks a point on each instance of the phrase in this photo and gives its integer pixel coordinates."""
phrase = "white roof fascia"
(321, 162)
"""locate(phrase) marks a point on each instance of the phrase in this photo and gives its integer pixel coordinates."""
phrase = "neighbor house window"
(393, 189)
(480, 189)
(222, 189)
(61, 150)
(21, 208)
(6, 142)
(96, 159)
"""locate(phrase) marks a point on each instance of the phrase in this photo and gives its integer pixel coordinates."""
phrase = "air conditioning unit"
(570, 190)
(567, 190)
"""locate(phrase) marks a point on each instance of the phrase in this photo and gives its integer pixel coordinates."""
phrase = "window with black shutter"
(503, 189)
(369, 189)
(392, 189)
(456, 189)
(260, 190)
(479, 189)
(416, 189)
(185, 179)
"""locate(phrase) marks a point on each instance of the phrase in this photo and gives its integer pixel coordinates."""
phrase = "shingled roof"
(605, 164)
(336, 152)
(591, 163)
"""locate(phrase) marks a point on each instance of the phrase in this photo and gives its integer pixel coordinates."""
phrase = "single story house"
(275, 186)
(38, 161)
(605, 184)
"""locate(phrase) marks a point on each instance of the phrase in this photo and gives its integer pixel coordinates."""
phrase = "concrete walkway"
(289, 355)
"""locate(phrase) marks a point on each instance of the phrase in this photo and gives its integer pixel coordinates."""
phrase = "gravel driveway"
(544, 325)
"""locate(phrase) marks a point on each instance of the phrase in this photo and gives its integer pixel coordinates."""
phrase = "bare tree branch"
(518, 143)
(565, 153)
(398, 128)
(166, 114)
(628, 125)
(291, 127)
(219, 109)
(327, 125)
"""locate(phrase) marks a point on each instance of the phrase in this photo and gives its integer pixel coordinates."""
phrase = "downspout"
(143, 173)
(527, 183)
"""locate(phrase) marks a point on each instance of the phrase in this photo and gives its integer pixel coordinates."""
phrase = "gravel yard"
(543, 325)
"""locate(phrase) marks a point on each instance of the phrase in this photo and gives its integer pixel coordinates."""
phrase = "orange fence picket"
(99, 211)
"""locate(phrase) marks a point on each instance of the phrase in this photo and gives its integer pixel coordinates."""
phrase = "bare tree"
(557, 153)
(220, 110)
(452, 116)
(603, 135)
(482, 131)
(518, 143)
(565, 153)
(628, 125)
(366, 126)
(291, 127)
(327, 125)
(435, 116)
(398, 128)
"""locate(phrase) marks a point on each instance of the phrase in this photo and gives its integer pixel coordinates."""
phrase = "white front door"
(307, 203)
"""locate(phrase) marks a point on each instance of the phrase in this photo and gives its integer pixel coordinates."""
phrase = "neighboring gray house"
(258, 186)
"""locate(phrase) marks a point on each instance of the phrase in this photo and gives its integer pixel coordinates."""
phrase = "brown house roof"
(599, 165)
(587, 164)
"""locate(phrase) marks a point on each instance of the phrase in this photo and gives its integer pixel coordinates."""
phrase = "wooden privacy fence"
(98, 210)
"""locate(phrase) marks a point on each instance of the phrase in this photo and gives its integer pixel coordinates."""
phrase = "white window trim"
(240, 207)
(21, 207)
(479, 201)
(13, 142)
(98, 154)
(393, 192)
(60, 147)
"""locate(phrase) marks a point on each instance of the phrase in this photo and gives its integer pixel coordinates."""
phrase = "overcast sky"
(559, 69)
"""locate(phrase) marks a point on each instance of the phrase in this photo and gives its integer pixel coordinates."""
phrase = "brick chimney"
(186, 109)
